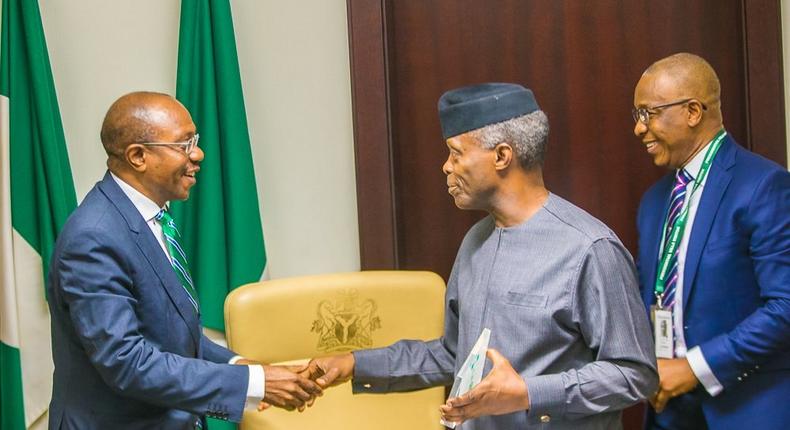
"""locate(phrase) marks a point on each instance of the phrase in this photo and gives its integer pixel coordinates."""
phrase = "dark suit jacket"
(736, 293)
(127, 344)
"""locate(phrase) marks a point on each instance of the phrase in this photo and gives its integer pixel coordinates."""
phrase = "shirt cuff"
(256, 386)
(702, 371)
(371, 371)
(547, 397)
(234, 359)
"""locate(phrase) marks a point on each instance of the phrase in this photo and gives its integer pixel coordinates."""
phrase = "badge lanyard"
(680, 224)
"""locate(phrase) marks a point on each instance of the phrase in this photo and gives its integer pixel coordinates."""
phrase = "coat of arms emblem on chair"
(345, 323)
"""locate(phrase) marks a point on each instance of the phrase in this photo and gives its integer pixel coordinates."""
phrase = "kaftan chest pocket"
(526, 299)
(522, 318)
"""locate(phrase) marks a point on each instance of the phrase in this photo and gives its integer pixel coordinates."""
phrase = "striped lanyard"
(680, 224)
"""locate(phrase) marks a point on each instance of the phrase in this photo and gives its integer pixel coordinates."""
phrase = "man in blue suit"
(126, 334)
(714, 259)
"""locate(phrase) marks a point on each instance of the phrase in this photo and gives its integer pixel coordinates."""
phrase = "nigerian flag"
(221, 220)
(36, 197)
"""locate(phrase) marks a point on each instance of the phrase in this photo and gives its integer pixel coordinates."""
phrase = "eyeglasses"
(187, 146)
(642, 114)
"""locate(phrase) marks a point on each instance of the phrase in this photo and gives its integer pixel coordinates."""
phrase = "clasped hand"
(675, 378)
(331, 370)
(502, 391)
(285, 387)
(296, 387)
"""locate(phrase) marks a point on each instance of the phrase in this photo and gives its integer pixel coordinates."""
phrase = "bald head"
(691, 77)
(677, 108)
(135, 118)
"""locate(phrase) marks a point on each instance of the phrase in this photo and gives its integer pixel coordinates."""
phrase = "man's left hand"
(502, 391)
(675, 378)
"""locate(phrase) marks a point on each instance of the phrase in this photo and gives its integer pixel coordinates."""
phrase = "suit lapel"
(152, 251)
(656, 214)
(150, 248)
(715, 186)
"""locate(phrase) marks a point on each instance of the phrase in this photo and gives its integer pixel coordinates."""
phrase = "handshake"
(502, 391)
(296, 387)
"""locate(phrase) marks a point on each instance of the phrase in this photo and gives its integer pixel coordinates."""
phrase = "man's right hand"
(331, 370)
(287, 389)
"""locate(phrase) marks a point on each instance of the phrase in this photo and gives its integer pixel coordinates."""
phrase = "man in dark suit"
(714, 259)
(126, 335)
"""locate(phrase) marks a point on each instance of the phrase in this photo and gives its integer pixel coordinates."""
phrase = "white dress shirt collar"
(693, 166)
(147, 207)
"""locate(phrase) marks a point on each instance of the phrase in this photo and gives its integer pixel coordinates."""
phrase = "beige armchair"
(291, 320)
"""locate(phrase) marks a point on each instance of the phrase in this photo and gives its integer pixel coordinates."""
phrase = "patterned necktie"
(682, 179)
(178, 259)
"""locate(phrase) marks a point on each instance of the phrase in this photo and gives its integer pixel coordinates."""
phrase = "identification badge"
(662, 330)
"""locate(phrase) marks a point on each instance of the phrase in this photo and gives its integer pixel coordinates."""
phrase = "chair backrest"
(288, 320)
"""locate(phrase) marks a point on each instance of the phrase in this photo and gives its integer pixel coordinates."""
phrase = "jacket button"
(740, 379)
(545, 418)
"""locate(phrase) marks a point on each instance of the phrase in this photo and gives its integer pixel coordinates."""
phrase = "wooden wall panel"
(581, 61)
(376, 211)
(581, 58)
(764, 73)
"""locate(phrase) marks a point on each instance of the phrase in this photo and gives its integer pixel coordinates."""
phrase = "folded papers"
(471, 372)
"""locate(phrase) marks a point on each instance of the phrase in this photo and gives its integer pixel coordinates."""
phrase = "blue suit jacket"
(127, 344)
(736, 294)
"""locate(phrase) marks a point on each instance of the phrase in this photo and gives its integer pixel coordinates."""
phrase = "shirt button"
(366, 385)
(545, 418)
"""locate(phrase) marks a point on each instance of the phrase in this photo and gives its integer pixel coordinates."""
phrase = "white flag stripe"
(24, 316)
(9, 330)
(35, 345)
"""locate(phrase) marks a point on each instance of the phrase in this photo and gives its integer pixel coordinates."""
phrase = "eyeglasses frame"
(637, 113)
(188, 146)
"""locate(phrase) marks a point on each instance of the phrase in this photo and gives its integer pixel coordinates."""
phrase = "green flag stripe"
(42, 188)
(12, 412)
(222, 233)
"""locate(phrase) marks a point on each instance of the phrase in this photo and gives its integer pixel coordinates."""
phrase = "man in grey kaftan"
(558, 293)
(556, 287)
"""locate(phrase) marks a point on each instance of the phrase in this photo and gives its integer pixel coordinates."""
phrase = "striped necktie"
(682, 179)
(178, 259)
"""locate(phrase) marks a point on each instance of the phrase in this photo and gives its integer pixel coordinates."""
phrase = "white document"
(471, 372)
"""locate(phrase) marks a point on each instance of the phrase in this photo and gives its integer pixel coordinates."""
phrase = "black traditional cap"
(469, 108)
